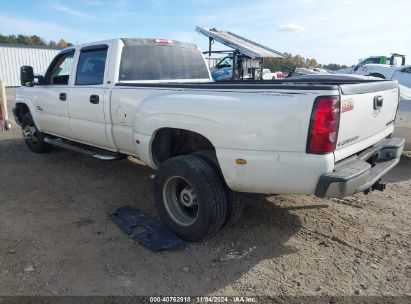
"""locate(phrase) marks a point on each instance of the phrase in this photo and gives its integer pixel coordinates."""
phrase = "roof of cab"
(137, 41)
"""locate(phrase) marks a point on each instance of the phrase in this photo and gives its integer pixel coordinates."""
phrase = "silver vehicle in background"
(403, 119)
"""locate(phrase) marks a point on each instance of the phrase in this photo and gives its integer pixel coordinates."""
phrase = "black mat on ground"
(145, 230)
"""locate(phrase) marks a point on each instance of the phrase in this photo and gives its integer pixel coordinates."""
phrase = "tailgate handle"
(378, 102)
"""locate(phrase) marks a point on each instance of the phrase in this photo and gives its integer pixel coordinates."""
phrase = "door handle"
(63, 96)
(94, 99)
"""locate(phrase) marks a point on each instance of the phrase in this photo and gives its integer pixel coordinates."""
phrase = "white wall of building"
(12, 57)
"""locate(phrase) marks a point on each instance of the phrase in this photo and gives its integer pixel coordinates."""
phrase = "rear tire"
(32, 136)
(235, 200)
(189, 197)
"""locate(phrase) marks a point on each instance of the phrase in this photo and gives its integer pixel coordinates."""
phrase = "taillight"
(325, 119)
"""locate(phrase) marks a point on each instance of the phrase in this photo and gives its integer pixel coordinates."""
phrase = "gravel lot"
(56, 237)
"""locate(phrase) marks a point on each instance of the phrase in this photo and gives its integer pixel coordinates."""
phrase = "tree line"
(33, 40)
(277, 64)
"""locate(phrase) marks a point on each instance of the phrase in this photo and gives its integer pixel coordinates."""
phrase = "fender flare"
(30, 106)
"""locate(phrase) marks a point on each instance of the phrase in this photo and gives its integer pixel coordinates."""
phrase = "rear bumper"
(361, 172)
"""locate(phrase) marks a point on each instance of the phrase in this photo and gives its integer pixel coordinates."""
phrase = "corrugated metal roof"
(12, 57)
(244, 45)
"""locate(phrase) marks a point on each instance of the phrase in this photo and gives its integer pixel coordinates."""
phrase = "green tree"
(334, 66)
(277, 64)
(52, 43)
(62, 43)
(37, 40)
(21, 39)
(31, 40)
(312, 63)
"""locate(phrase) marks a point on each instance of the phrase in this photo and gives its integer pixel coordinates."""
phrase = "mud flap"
(145, 230)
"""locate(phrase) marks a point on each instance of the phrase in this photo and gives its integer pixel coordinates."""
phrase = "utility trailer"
(243, 61)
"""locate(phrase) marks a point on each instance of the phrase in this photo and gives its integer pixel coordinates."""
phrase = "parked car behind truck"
(393, 60)
(403, 123)
(401, 74)
(210, 142)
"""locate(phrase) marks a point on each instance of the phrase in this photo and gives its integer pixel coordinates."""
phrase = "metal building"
(13, 56)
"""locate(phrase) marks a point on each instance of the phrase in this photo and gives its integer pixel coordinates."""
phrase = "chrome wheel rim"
(180, 201)
(29, 133)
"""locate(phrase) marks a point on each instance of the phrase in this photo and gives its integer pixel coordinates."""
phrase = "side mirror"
(26, 76)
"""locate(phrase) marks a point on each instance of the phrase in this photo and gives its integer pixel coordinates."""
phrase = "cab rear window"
(161, 62)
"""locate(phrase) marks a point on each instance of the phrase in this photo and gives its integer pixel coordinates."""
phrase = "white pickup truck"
(154, 99)
(402, 74)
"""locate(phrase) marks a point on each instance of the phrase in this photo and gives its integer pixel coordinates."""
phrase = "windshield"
(161, 62)
(226, 62)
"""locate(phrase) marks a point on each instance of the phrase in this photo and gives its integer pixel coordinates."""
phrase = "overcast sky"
(331, 31)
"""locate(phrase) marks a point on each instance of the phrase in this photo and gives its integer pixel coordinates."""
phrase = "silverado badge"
(347, 105)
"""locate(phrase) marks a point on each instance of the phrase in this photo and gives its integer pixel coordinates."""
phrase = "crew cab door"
(51, 102)
(88, 97)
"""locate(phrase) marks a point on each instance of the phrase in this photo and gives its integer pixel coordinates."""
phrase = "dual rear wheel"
(190, 194)
(191, 197)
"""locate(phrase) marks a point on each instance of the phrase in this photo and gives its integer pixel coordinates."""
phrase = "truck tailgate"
(367, 115)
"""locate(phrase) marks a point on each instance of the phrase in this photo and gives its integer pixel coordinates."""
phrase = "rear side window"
(91, 66)
(157, 62)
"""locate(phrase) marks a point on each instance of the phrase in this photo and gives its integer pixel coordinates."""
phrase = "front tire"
(189, 197)
(32, 136)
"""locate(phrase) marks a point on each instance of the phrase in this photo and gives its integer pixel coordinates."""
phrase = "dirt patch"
(56, 237)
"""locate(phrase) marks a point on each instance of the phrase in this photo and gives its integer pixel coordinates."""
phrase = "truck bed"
(360, 125)
(348, 83)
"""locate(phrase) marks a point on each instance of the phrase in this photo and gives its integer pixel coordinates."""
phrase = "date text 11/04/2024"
(203, 299)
